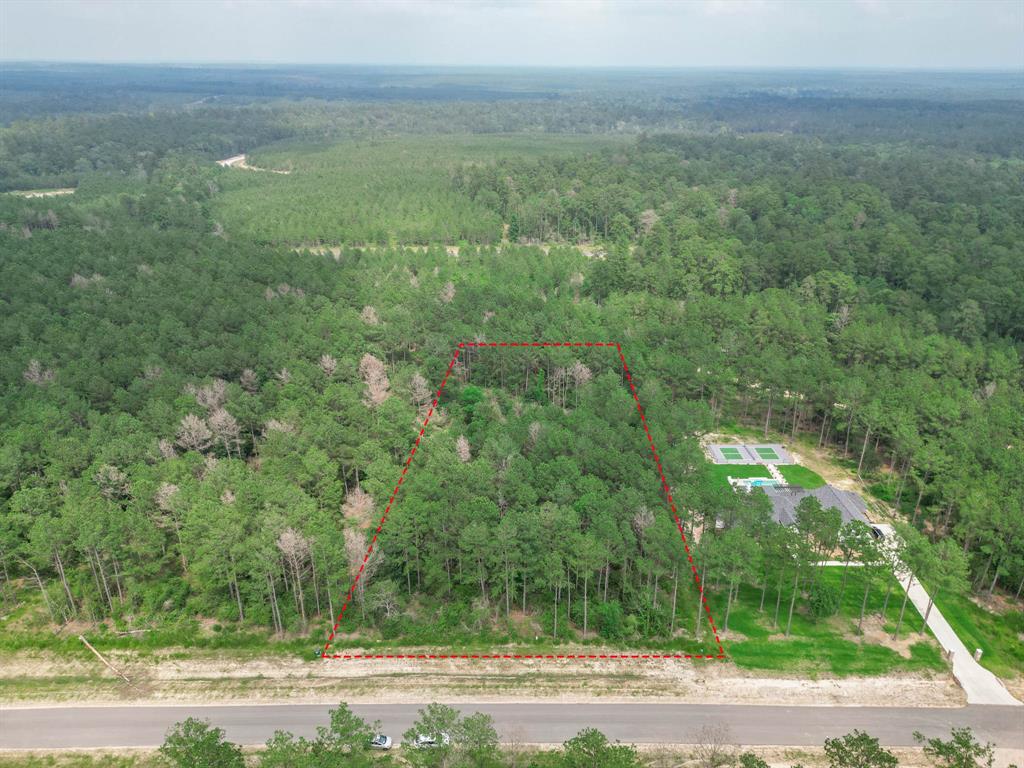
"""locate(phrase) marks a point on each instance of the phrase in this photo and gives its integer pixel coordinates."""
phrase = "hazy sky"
(740, 33)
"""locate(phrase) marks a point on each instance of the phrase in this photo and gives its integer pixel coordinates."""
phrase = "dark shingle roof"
(785, 500)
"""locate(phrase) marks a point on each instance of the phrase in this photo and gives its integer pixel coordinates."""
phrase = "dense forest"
(213, 377)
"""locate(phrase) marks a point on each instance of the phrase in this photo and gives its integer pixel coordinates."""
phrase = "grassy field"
(826, 645)
(998, 635)
(725, 471)
(802, 476)
(395, 190)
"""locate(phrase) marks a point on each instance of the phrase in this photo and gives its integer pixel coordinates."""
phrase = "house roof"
(784, 502)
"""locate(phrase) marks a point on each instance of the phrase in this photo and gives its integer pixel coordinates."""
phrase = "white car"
(426, 742)
(380, 741)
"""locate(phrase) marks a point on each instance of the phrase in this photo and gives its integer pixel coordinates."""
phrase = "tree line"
(472, 741)
(199, 425)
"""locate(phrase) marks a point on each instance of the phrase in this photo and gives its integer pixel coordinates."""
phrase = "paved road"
(144, 726)
(980, 685)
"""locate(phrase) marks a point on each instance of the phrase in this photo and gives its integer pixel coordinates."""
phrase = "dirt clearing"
(207, 677)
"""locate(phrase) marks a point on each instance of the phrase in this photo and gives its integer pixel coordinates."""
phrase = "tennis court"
(772, 453)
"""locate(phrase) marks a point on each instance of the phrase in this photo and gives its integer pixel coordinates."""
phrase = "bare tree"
(374, 375)
(383, 596)
(328, 364)
(515, 749)
(358, 507)
(714, 747)
(166, 448)
(369, 316)
(360, 566)
(225, 428)
(211, 396)
(164, 496)
(421, 394)
(80, 281)
(112, 481)
(581, 376)
(642, 520)
(228, 497)
(210, 463)
(273, 425)
(447, 294)
(576, 282)
(648, 219)
(842, 318)
(250, 383)
(284, 376)
(36, 374)
(462, 449)
(296, 548)
(194, 434)
(534, 433)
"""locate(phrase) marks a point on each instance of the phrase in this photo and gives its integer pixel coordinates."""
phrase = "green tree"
(440, 723)
(591, 749)
(477, 741)
(194, 743)
(750, 760)
(348, 735)
(858, 750)
(962, 750)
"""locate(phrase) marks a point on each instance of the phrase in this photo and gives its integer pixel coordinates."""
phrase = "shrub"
(610, 620)
(824, 600)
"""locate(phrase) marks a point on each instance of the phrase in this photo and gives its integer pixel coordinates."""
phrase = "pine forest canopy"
(212, 376)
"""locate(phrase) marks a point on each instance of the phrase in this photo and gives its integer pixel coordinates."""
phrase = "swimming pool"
(754, 482)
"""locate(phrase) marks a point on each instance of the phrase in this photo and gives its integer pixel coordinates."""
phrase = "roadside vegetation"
(996, 630)
(443, 737)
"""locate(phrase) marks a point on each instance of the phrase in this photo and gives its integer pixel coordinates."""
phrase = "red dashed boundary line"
(326, 654)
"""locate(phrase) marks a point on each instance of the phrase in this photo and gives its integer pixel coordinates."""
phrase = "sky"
(928, 34)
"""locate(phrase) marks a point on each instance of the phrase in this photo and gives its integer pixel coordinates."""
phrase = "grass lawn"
(724, 471)
(998, 635)
(824, 645)
(802, 476)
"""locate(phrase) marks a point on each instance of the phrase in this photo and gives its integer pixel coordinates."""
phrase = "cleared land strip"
(98, 727)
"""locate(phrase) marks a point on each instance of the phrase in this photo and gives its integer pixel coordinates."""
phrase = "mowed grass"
(1000, 636)
(724, 471)
(824, 645)
(396, 190)
(802, 476)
